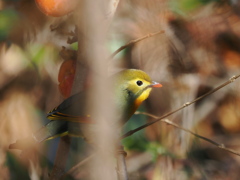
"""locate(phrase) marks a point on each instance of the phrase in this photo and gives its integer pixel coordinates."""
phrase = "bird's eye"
(139, 83)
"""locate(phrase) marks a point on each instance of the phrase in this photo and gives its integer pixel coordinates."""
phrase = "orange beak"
(155, 84)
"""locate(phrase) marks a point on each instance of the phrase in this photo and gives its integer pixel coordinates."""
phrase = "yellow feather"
(141, 98)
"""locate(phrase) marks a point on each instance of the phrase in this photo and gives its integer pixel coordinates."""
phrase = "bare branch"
(135, 41)
(77, 166)
(121, 164)
(221, 146)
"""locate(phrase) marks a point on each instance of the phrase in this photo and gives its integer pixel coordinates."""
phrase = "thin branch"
(135, 41)
(77, 166)
(129, 133)
(221, 146)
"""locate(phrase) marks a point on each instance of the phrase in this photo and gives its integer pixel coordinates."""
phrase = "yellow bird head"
(132, 88)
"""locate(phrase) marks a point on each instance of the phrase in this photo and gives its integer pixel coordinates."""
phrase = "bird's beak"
(155, 84)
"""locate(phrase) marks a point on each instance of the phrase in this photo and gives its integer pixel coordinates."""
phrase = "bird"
(130, 88)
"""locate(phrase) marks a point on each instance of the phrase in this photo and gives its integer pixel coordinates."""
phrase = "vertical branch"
(101, 110)
(121, 164)
(93, 20)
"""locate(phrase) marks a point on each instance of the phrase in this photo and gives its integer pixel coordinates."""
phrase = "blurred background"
(199, 50)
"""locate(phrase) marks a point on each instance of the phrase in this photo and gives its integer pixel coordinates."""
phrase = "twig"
(135, 41)
(74, 168)
(221, 146)
(129, 133)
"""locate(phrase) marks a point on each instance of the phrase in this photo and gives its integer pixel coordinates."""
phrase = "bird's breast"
(138, 101)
